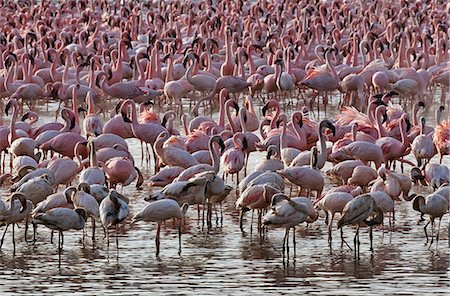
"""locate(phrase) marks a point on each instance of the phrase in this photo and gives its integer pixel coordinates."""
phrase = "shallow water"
(223, 259)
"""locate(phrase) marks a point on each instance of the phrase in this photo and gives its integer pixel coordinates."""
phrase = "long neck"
(169, 74)
(134, 121)
(354, 131)
(12, 124)
(283, 141)
(322, 156)
(230, 119)
(251, 108)
(141, 70)
(331, 67)
(214, 157)
(275, 117)
(184, 123)
(242, 119)
(251, 64)
(300, 134)
(90, 103)
(380, 128)
(415, 111)
(78, 156)
(75, 104)
(222, 111)
(405, 141)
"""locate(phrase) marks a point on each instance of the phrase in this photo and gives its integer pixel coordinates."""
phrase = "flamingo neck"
(222, 111)
(251, 63)
(322, 156)
(405, 141)
(275, 117)
(283, 141)
(12, 124)
(415, 111)
(75, 104)
(380, 128)
(230, 119)
(214, 157)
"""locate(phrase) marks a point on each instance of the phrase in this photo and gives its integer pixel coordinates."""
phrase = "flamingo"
(435, 205)
(287, 213)
(159, 211)
(81, 198)
(332, 203)
(93, 174)
(172, 156)
(306, 177)
(62, 219)
(113, 210)
(92, 125)
(144, 132)
(422, 146)
(441, 138)
(254, 197)
(392, 148)
(357, 211)
(233, 159)
(18, 210)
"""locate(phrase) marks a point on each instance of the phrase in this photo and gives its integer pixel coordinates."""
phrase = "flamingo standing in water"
(159, 211)
(422, 146)
(145, 132)
(233, 159)
(287, 213)
(356, 211)
(113, 210)
(62, 219)
(435, 205)
(19, 209)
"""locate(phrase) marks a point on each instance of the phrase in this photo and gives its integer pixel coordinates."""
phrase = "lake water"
(223, 260)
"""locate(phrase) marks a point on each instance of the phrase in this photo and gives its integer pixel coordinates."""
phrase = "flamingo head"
(327, 124)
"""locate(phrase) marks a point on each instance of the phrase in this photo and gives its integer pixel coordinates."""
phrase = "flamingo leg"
(179, 237)
(284, 240)
(432, 233)
(157, 240)
(59, 244)
(425, 230)
(437, 235)
(117, 238)
(93, 229)
(330, 226)
(251, 224)
(241, 216)
(295, 243)
(371, 238)
(3, 236)
(13, 240)
(107, 237)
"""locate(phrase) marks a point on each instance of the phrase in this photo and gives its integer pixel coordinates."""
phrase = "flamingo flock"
(344, 88)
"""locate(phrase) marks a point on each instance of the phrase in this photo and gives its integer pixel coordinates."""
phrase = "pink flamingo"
(392, 148)
(18, 146)
(306, 177)
(159, 211)
(422, 146)
(215, 157)
(121, 170)
(145, 132)
(172, 156)
(93, 174)
(233, 159)
(65, 169)
(92, 124)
